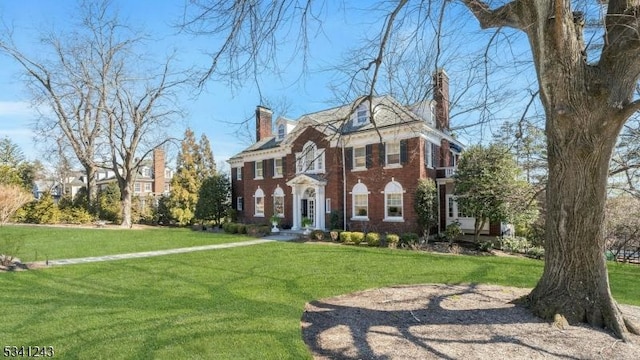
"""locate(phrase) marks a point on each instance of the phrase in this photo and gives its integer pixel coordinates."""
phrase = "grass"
(40, 243)
(239, 303)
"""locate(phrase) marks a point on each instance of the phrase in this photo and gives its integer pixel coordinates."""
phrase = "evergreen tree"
(214, 198)
(186, 181)
(426, 204)
(489, 187)
(207, 162)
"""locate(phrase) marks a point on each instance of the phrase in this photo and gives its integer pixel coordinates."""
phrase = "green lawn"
(43, 242)
(239, 303)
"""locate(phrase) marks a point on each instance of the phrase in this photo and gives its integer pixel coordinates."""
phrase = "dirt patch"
(449, 322)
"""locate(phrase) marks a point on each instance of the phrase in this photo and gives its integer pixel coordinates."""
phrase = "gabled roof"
(387, 112)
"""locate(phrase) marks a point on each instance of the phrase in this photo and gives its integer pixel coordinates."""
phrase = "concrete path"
(166, 252)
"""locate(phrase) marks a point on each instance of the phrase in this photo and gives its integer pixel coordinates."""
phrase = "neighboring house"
(153, 177)
(337, 160)
(57, 188)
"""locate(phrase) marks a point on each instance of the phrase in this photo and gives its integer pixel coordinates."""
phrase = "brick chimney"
(263, 122)
(158, 171)
(441, 97)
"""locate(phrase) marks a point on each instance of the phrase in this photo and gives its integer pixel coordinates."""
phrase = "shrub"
(536, 252)
(317, 235)
(392, 240)
(455, 249)
(409, 239)
(335, 235)
(72, 215)
(345, 237)
(373, 239)
(242, 229)
(255, 230)
(335, 219)
(485, 246)
(515, 244)
(230, 228)
(357, 237)
(9, 248)
(453, 231)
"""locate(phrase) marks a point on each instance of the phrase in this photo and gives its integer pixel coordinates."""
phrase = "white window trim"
(388, 218)
(255, 170)
(147, 187)
(277, 175)
(386, 156)
(278, 193)
(361, 120)
(327, 206)
(364, 157)
(318, 160)
(359, 189)
(255, 202)
(429, 153)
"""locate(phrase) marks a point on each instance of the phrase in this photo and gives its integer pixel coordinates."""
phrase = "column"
(320, 208)
(296, 209)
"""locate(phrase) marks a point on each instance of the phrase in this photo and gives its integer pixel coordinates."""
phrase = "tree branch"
(504, 16)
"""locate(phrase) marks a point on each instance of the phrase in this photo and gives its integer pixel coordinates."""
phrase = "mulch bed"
(449, 322)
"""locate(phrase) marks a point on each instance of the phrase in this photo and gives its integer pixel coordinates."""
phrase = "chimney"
(441, 97)
(158, 171)
(263, 122)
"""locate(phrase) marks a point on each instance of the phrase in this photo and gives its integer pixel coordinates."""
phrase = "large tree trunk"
(575, 283)
(126, 197)
(585, 105)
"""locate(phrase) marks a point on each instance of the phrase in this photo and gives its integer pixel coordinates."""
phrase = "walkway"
(145, 254)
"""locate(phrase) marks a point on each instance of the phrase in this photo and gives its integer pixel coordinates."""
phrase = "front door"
(311, 211)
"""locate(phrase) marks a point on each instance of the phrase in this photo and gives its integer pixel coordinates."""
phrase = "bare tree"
(71, 83)
(587, 98)
(139, 112)
(12, 197)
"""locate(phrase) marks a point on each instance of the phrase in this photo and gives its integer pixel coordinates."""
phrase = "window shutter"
(381, 151)
(252, 172)
(348, 158)
(284, 166)
(427, 154)
(435, 152)
(404, 156)
(369, 155)
(265, 168)
(234, 173)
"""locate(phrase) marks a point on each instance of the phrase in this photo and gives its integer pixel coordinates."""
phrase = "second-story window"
(259, 170)
(393, 153)
(310, 160)
(239, 173)
(277, 168)
(359, 157)
(147, 187)
(136, 187)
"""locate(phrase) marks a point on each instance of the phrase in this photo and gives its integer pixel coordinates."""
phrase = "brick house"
(152, 180)
(338, 161)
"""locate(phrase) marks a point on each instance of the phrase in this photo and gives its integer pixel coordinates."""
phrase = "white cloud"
(16, 108)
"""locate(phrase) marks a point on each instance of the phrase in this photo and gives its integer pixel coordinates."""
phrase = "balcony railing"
(446, 172)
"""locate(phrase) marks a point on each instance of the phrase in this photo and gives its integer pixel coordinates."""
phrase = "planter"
(275, 229)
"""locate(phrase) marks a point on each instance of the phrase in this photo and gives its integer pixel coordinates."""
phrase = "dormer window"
(362, 115)
(146, 172)
(281, 131)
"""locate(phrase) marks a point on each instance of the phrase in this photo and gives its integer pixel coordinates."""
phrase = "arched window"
(310, 160)
(360, 202)
(278, 202)
(258, 198)
(393, 202)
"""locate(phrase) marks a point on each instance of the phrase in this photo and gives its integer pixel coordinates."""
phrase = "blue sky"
(210, 112)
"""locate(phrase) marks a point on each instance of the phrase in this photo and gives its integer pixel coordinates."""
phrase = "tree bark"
(586, 106)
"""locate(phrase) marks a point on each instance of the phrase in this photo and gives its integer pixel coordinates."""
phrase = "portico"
(308, 200)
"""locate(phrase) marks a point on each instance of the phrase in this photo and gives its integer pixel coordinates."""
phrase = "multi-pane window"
(310, 160)
(136, 187)
(277, 167)
(360, 197)
(147, 187)
(359, 157)
(259, 202)
(239, 173)
(392, 153)
(281, 131)
(278, 202)
(239, 203)
(362, 114)
(259, 170)
(393, 194)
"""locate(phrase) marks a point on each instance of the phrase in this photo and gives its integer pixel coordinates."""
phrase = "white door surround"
(308, 199)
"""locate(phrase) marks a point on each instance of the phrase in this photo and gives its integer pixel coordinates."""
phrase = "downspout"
(344, 187)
